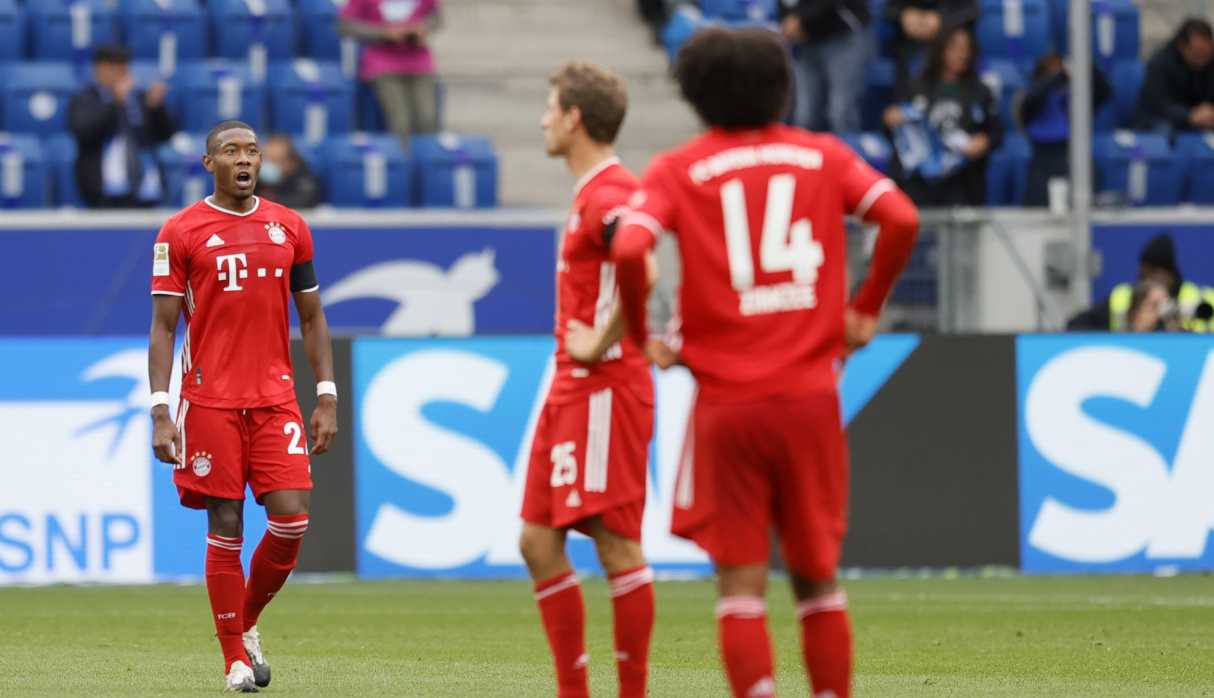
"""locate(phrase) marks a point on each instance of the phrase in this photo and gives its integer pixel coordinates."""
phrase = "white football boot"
(240, 679)
(261, 668)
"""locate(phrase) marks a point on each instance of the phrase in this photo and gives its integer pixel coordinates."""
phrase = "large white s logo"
(1166, 511)
(463, 468)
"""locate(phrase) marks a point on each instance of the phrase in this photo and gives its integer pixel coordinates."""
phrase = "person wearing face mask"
(396, 59)
(285, 177)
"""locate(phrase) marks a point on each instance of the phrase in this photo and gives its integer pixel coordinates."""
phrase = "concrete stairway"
(495, 57)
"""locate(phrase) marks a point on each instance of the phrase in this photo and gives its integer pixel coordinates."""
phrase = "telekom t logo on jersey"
(236, 269)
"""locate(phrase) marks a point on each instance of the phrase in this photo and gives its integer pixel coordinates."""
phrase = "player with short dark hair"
(230, 264)
(587, 469)
(758, 211)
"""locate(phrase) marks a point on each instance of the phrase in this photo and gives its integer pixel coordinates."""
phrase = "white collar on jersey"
(594, 172)
(230, 212)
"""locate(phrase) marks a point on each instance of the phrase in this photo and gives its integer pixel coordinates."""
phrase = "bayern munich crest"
(201, 463)
(277, 234)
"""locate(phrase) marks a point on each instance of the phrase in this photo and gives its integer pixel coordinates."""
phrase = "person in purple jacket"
(396, 59)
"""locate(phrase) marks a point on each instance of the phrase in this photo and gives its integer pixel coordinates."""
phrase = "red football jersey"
(586, 288)
(759, 219)
(233, 271)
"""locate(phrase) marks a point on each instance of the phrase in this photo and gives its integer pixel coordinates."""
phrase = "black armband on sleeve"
(609, 231)
(303, 277)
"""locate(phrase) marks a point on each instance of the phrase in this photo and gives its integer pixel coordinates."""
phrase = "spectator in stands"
(944, 126)
(285, 178)
(919, 23)
(832, 47)
(1178, 89)
(117, 128)
(1045, 114)
(397, 60)
(1139, 306)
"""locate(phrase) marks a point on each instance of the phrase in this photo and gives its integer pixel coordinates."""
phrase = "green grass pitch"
(1107, 636)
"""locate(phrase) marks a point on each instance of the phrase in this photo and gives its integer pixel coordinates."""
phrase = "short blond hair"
(598, 93)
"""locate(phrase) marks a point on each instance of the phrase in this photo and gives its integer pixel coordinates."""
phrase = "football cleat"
(252, 646)
(240, 679)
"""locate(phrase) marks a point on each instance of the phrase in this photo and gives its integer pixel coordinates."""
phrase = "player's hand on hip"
(324, 424)
(166, 441)
(660, 354)
(858, 329)
(582, 342)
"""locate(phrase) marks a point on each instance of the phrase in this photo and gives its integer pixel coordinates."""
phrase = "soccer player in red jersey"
(587, 469)
(230, 263)
(758, 210)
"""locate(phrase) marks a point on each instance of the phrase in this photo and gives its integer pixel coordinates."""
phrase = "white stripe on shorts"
(598, 441)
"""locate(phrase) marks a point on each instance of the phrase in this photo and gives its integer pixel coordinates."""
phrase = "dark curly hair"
(735, 78)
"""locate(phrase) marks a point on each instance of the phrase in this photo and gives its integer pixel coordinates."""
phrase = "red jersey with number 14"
(586, 285)
(759, 217)
(233, 271)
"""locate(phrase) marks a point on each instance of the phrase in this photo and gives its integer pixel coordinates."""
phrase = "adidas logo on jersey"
(574, 500)
(215, 241)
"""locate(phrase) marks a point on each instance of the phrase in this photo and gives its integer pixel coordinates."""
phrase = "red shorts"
(589, 458)
(263, 447)
(750, 467)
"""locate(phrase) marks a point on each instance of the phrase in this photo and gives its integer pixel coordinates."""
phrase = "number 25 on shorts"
(564, 464)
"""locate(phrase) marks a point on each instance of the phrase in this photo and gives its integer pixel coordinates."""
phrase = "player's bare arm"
(166, 442)
(315, 330)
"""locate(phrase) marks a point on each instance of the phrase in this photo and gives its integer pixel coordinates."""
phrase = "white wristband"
(160, 397)
(326, 388)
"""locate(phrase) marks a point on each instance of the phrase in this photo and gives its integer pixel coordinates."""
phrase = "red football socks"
(225, 586)
(745, 646)
(564, 616)
(632, 602)
(826, 643)
(272, 563)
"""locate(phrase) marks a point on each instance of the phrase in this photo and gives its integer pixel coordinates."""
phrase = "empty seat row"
(357, 170)
(1135, 169)
(301, 97)
(170, 31)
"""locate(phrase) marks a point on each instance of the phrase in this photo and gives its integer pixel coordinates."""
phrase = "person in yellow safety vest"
(1157, 262)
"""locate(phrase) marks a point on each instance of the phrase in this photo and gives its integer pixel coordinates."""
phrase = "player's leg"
(728, 452)
(280, 476)
(214, 479)
(811, 506)
(225, 587)
(632, 598)
(558, 594)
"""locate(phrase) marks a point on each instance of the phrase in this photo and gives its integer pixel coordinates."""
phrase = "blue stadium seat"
(186, 181)
(62, 31)
(1018, 30)
(367, 171)
(1116, 29)
(873, 146)
(318, 37)
(1007, 171)
(23, 172)
(1005, 81)
(36, 96)
(258, 31)
(310, 99)
(211, 91)
(685, 21)
(12, 31)
(1138, 168)
(878, 93)
(170, 32)
(1196, 150)
(370, 116)
(733, 10)
(455, 171)
(1126, 79)
(61, 160)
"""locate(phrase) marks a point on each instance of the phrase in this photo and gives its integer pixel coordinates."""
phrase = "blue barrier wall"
(411, 279)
